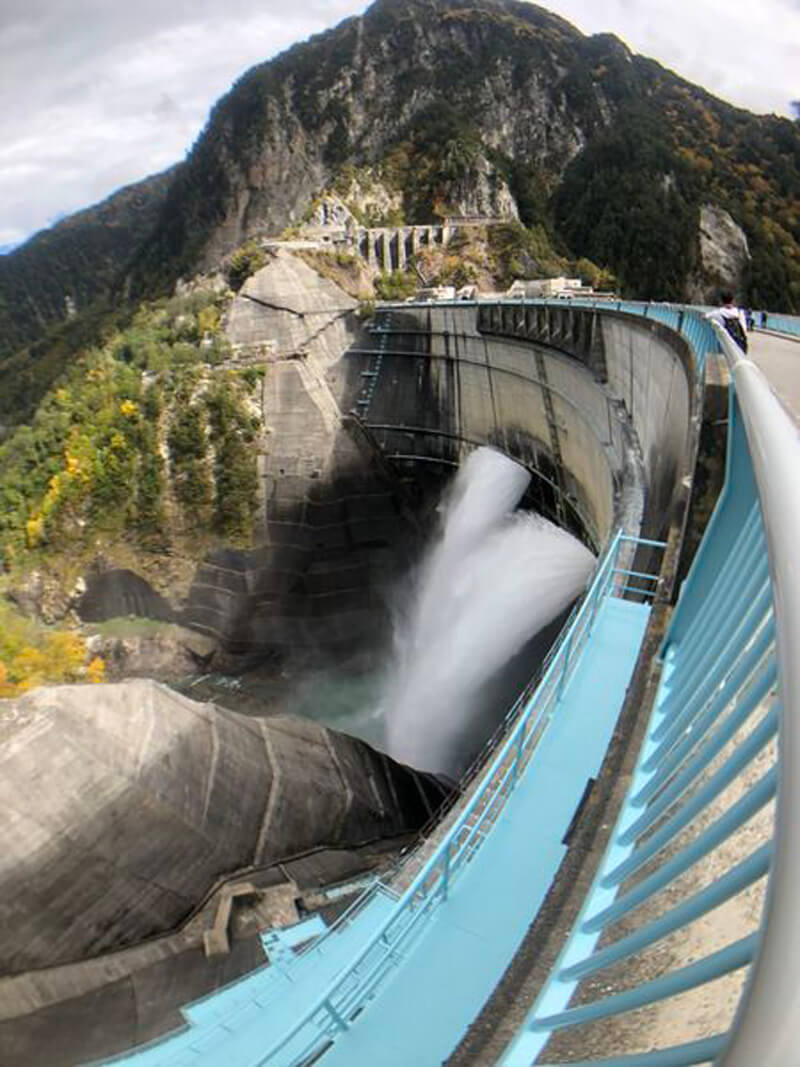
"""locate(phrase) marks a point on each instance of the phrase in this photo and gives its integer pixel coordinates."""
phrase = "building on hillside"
(433, 293)
(545, 287)
(554, 288)
(477, 220)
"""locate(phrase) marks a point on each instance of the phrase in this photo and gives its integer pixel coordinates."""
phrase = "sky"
(96, 94)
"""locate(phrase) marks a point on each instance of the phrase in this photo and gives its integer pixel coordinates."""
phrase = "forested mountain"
(73, 264)
(420, 109)
(610, 152)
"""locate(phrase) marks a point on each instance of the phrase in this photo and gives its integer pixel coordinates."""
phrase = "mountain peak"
(607, 153)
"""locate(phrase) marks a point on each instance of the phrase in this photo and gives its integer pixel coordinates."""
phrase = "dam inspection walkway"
(708, 819)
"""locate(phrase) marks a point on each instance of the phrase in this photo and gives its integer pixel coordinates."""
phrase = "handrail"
(764, 1029)
(789, 324)
(442, 864)
(686, 320)
(723, 660)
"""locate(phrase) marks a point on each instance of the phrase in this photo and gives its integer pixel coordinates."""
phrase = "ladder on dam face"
(372, 373)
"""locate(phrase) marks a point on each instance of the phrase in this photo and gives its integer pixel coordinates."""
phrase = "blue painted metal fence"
(339, 1004)
(782, 323)
(716, 697)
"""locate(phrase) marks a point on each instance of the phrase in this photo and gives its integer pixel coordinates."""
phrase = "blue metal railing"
(713, 729)
(338, 1004)
(690, 322)
(781, 323)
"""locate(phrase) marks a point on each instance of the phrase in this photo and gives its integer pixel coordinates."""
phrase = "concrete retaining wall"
(444, 385)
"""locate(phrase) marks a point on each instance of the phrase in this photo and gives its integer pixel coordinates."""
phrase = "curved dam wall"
(646, 374)
(596, 405)
(600, 408)
(122, 804)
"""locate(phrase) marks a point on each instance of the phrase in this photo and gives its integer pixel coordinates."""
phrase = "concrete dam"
(173, 804)
(598, 409)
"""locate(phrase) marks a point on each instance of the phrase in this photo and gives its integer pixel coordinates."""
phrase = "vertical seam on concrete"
(348, 792)
(490, 380)
(148, 734)
(272, 798)
(552, 429)
(137, 1021)
(212, 770)
(423, 794)
(456, 355)
(373, 784)
(671, 401)
(390, 780)
(648, 395)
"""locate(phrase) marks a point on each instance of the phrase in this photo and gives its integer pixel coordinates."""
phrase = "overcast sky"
(95, 94)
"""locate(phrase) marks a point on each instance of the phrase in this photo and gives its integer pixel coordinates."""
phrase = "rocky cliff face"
(454, 107)
(493, 107)
(463, 81)
(724, 256)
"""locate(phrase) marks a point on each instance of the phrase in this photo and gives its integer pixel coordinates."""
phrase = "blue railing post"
(562, 680)
(517, 757)
(593, 612)
(341, 1022)
(446, 870)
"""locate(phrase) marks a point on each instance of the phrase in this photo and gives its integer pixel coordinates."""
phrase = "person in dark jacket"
(731, 318)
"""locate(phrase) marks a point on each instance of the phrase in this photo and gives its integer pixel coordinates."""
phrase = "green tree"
(245, 261)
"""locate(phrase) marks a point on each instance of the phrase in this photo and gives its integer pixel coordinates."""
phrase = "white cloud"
(92, 116)
(747, 53)
(94, 95)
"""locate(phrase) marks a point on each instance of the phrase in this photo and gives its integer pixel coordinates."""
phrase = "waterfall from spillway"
(492, 580)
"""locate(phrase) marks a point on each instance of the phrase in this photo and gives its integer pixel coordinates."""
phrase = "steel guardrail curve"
(764, 1031)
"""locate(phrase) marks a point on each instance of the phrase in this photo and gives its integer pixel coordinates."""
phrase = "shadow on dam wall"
(597, 406)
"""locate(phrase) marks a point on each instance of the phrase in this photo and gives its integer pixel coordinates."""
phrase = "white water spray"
(491, 582)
